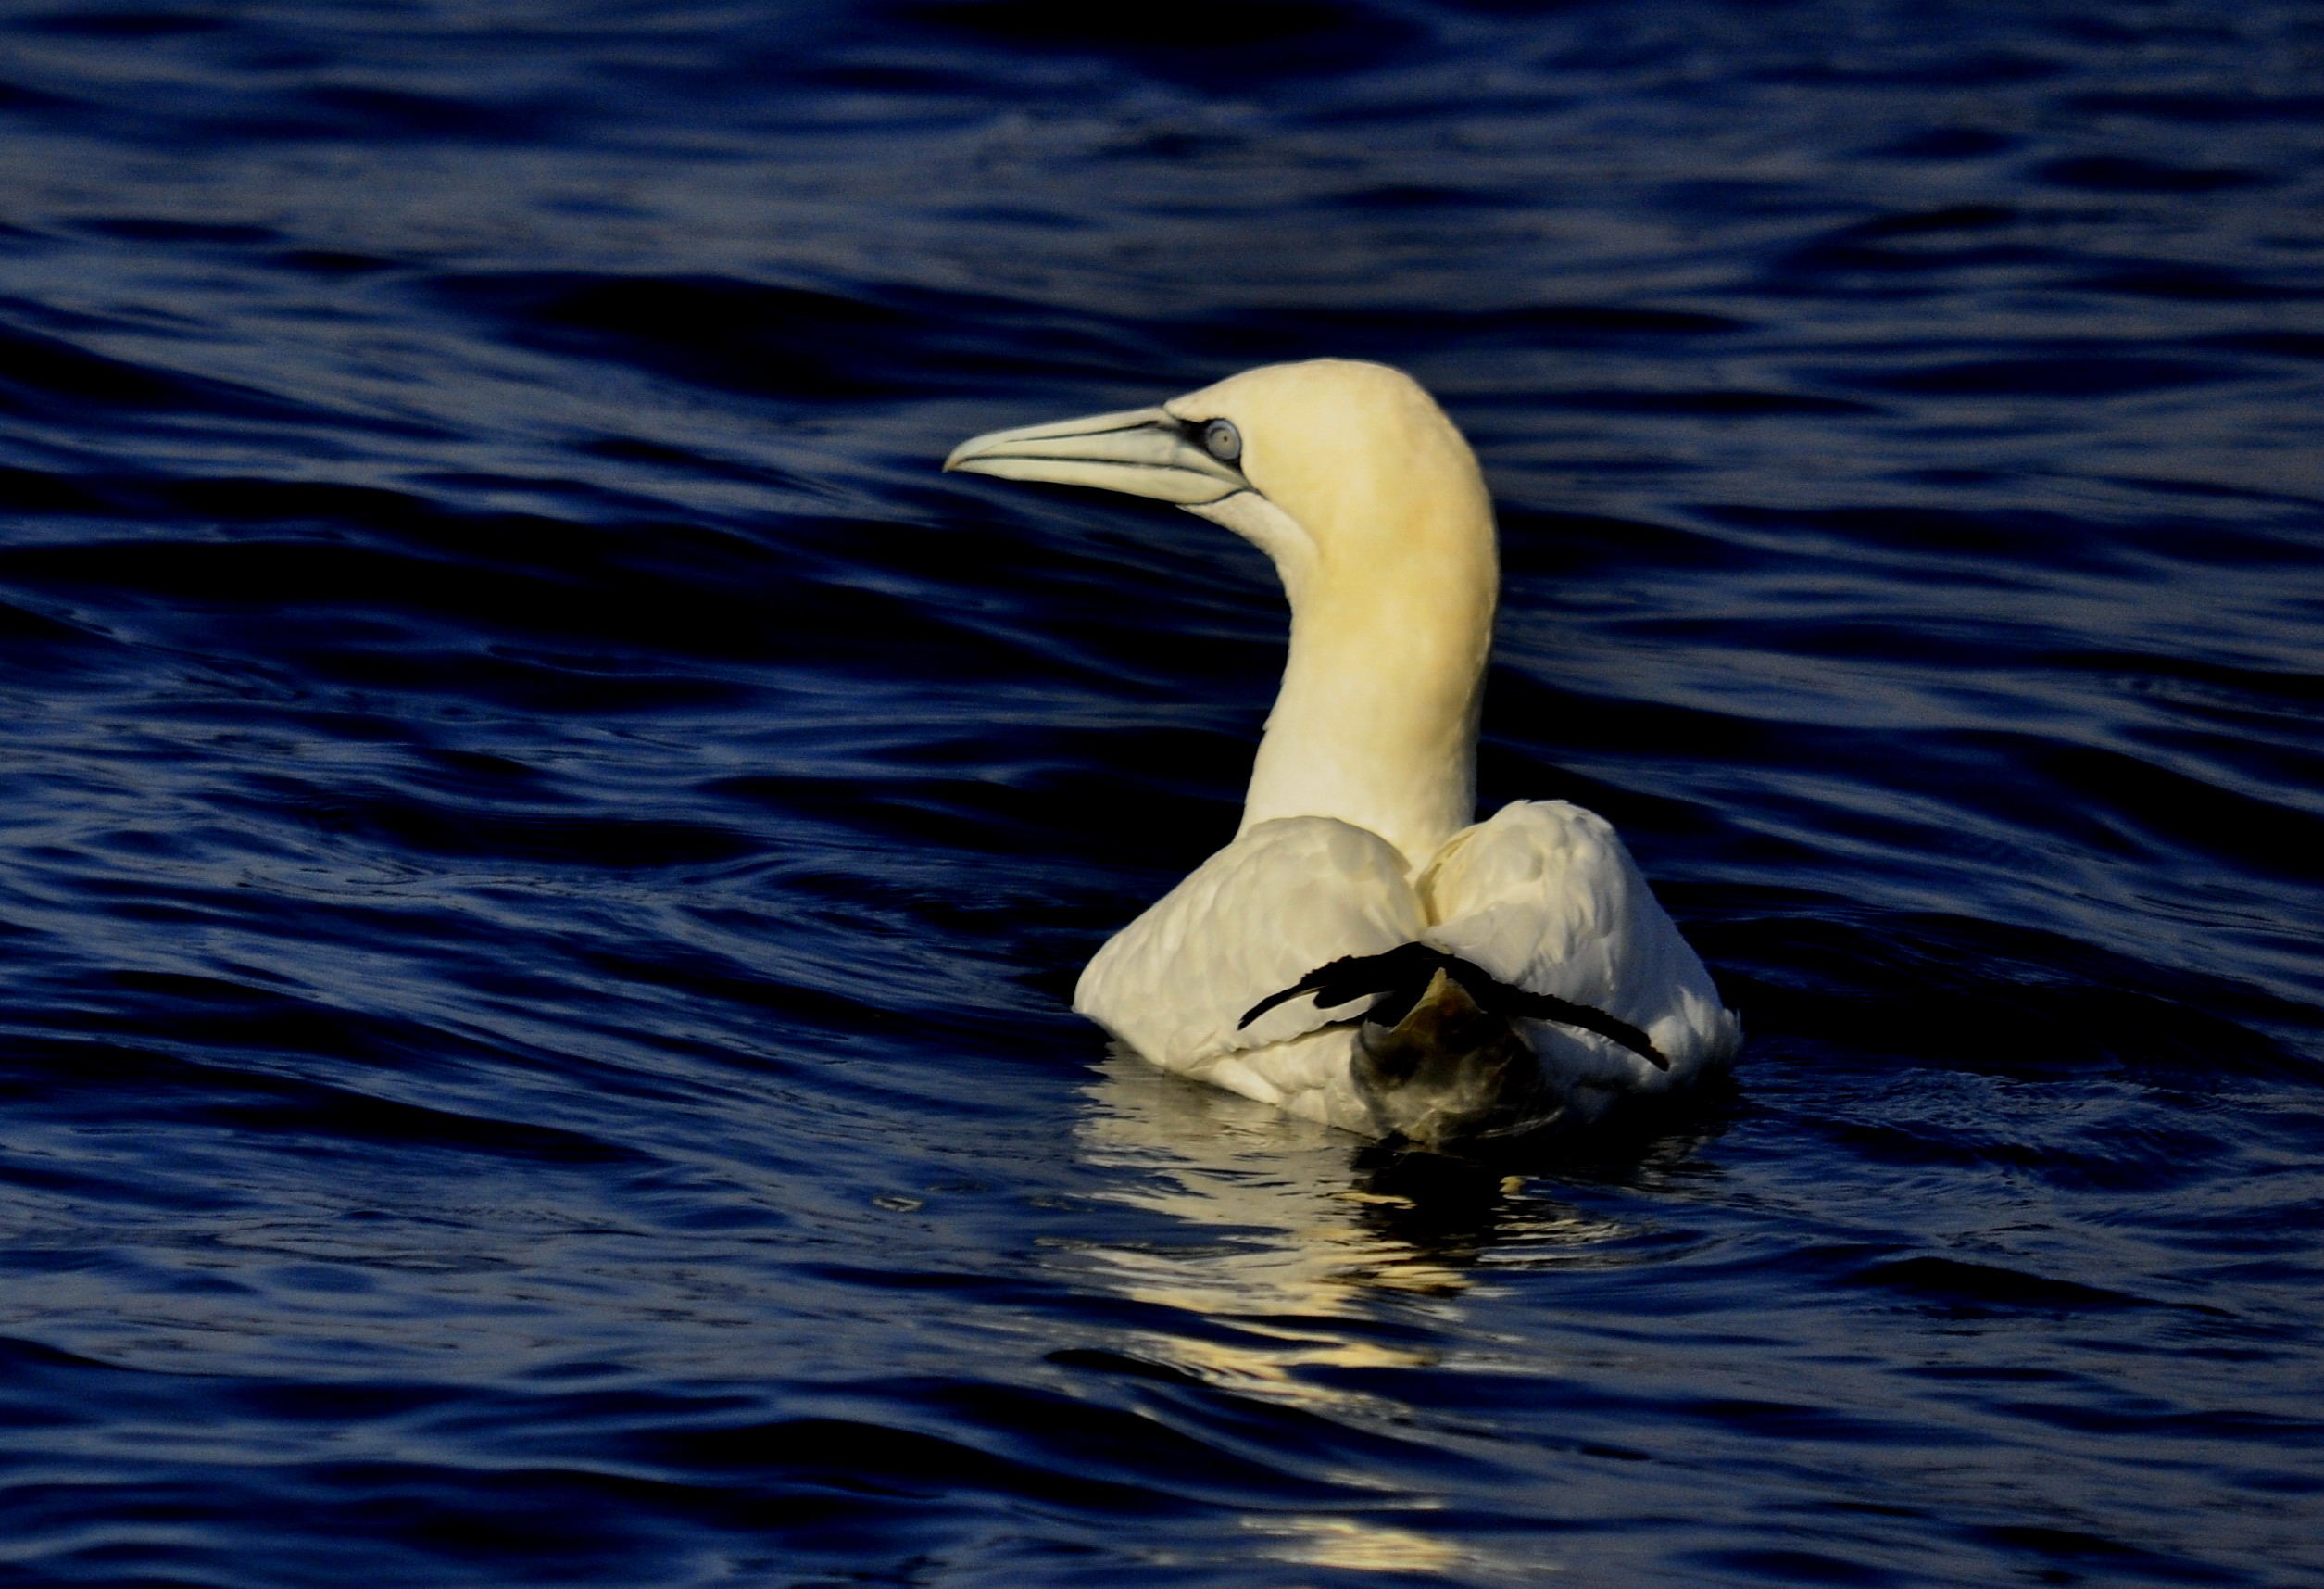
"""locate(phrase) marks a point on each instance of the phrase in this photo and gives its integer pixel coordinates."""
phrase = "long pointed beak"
(1145, 452)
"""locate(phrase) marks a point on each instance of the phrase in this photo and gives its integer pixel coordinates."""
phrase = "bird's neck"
(1375, 723)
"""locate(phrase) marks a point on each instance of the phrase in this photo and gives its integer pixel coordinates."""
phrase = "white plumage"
(1353, 841)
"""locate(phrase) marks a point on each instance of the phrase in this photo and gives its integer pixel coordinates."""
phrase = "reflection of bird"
(1360, 954)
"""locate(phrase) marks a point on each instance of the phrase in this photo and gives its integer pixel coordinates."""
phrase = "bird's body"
(1487, 979)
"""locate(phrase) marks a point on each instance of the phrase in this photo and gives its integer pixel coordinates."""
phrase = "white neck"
(1375, 723)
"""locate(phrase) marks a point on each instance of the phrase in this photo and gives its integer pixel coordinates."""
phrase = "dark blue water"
(544, 845)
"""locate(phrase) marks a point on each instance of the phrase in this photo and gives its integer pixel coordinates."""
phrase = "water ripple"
(545, 848)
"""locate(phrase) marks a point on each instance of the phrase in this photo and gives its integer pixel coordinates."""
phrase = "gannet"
(1364, 952)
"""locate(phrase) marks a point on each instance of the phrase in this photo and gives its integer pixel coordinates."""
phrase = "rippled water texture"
(545, 846)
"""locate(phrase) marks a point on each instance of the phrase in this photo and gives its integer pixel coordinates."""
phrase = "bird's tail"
(1449, 1071)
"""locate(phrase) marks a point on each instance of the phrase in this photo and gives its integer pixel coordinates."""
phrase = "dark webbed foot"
(1398, 978)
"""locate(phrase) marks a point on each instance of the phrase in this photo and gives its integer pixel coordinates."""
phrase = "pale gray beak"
(1145, 452)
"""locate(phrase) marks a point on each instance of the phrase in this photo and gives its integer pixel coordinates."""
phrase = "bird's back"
(1541, 900)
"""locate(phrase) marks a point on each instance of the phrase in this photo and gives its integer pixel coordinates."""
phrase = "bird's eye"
(1223, 441)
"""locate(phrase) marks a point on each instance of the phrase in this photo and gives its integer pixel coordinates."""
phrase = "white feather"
(1543, 897)
(1254, 918)
(1546, 897)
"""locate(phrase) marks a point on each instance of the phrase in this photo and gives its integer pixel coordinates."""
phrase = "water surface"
(545, 847)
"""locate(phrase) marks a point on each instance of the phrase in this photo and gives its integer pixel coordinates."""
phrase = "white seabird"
(1362, 955)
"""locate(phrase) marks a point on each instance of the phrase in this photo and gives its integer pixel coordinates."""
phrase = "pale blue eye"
(1223, 441)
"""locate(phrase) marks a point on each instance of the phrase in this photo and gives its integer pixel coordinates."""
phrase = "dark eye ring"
(1223, 441)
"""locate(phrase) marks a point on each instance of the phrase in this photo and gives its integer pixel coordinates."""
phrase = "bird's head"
(1332, 466)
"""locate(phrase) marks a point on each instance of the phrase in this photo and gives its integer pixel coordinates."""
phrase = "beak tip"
(964, 458)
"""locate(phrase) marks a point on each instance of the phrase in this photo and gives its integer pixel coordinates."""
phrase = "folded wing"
(1286, 897)
(1544, 897)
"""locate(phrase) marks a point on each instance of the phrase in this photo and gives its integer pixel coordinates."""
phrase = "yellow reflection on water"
(1287, 1240)
(1291, 1254)
(1354, 1544)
